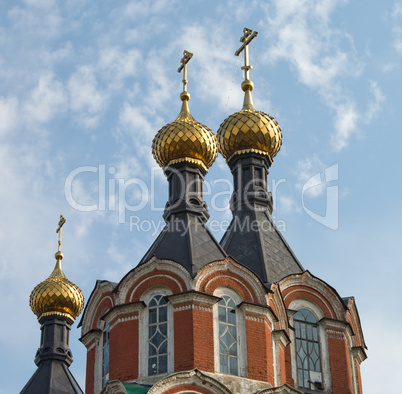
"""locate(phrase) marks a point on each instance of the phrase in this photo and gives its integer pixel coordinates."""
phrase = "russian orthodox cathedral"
(200, 316)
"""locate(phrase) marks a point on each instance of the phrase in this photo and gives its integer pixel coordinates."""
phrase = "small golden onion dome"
(57, 295)
(185, 140)
(249, 130)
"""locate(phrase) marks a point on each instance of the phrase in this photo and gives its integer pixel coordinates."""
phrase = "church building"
(237, 316)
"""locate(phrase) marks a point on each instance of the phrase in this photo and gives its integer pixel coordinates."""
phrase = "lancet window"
(308, 355)
(105, 353)
(157, 335)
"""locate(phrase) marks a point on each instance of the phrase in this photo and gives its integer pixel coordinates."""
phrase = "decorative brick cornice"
(280, 336)
(193, 299)
(90, 338)
(258, 313)
(359, 354)
(336, 326)
(122, 313)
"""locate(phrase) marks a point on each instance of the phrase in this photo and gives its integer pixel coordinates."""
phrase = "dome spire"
(249, 131)
(59, 255)
(57, 295)
(184, 95)
(247, 86)
(185, 139)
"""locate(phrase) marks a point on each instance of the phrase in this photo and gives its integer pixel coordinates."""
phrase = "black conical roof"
(52, 377)
(254, 241)
(187, 241)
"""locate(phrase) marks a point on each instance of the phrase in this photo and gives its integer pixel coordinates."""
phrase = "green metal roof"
(133, 388)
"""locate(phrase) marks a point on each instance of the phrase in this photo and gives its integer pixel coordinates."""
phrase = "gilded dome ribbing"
(57, 295)
(249, 130)
(185, 139)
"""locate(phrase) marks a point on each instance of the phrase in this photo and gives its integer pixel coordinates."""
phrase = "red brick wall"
(339, 364)
(90, 380)
(257, 350)
(203, 340)
(288, 367)
(123, 362)
(183, 340)
(193, 340)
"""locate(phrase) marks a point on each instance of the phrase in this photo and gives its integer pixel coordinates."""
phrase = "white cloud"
(375, 105)
(396, 16)
(45, 100)
(86, 97)
(346, 121)
(305, 172)
(321, 56)
(8, 114)
(286, 204)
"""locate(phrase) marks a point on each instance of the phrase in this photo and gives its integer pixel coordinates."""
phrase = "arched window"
(105, 353)
(228, 336)
(308, 356)
(157, 335)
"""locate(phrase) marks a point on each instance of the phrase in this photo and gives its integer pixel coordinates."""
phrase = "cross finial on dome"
(247, 86)
(247, 37)
(61, 223)
(184, 60)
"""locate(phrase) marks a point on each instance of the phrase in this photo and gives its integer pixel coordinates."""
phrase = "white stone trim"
(97, 296)
(278, 337)
(189, 377)
(112, 317)
(265, 313)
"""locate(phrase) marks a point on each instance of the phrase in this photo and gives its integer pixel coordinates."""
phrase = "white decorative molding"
(278, 337)
(283, 389)
(115, 315)
(265, 313)
(193, 296)
(97, 296)
(194, 377)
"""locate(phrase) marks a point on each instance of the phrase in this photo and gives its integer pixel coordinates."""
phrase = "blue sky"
(84, 87)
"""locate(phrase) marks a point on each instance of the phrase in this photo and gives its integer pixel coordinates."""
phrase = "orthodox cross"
(61, 222)
(248, 36)
(185, 59)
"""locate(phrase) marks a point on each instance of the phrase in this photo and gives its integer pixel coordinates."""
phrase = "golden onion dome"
(57, 295)
(249, 130)
(185, 140)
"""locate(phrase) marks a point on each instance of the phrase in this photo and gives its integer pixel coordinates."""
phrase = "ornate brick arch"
(100, 301)
(229, 273)
(315, 290)
(189, 382)
(155, 272)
